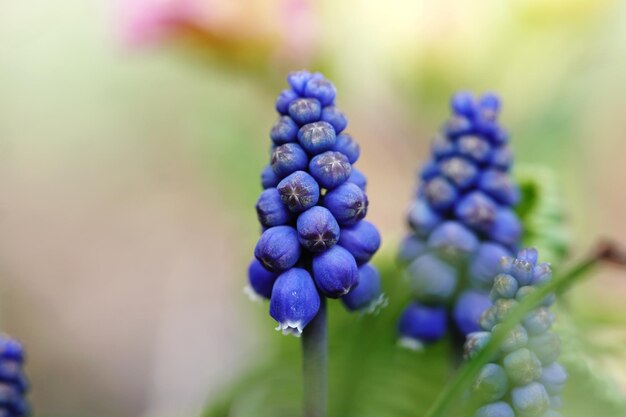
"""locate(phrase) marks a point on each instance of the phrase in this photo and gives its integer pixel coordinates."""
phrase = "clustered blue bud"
(13, 383)
(462, 221)
(524, 379)
(315, 242)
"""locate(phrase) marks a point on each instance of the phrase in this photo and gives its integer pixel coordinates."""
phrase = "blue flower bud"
(11, 349)
(270, 209)
(491, 383)
(541, 273)
(470, 306)
(298, 80)
(13, 383)
(330, 169)
(477, 211)
(530, 400)
(367, 295)
(317, 137)
(474, 148)
(504, 286)
(499, 186)
(547, 346)
(515, 339)
(278, 248)
(442, 147)
(553, 378)
(261, 280)
(305, 110)
(489, 102)
(522, 270)
(452, 240)
(457, 126)
(499, 409)
(336, 118)
(539, 320)
(295, 301)
(429, 171)
(431, 279)
(347, 146)
(269, 178)
(321, 89)
(285, 130)
(440, 193)
(503, 307)
(288, 158)
(462, 103)
(421, 324)
(335, 272)
(410, 248)
(299, 191)
(474, 343)
(284, 100)
(461, 172)
(506, 228)
(502, 158)
(348, 203)
(362, 240)
(485, 264)
(357, 178)
(488, 319)
(528, 254)
(422, 218)
(522, 366)
(317, 229)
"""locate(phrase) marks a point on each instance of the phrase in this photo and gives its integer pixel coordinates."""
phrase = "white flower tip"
(293, 328)
(411, 344)
(375, 305)
(251, 294)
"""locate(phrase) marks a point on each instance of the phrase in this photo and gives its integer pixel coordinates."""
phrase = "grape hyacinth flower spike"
(315, 242)
(524, 379)
(462, 223)
(13, 383)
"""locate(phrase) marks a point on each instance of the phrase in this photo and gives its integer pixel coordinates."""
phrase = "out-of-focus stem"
(315, 364)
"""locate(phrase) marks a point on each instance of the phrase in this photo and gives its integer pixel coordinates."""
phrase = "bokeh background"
(132, 134)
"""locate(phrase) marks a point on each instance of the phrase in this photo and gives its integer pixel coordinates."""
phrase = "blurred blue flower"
(13, 382)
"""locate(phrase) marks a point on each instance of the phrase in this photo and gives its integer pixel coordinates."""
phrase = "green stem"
(315, 364)
(451, 394)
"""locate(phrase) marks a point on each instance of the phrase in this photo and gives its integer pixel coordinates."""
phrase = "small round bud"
(278, 248)
(422, 218)
(285, 130)
(516, 339)
(440, 193)
(461, 172)
(499, 186)
(305, 110)
(506, 228)
(347, 146)
(528, 254)
(491, 383)
(420, 324)
(522, 270)
(362, 240)
(317, 229)
(269, 178)
(335, 117)
(335, 272)
(357, 178)
(321, 89)
(504, 286)
(330, 169)
(295, 301)
(488, 319)
(489, 102)
(299, 191)
(457, 126)
(442, 147)
(431, 279)
(462, 103)
(503, 307)
(477, 211)
(485, 264)
(474, 343)
(452, 240)
(553, 378)
(502, 158)
(522, 366)
(410, 248)
(317, 137)
(470, 306)
(298, 79)
(348, 203)
(284, 100)
(499, 409)
(474, 148)
(546, 346)
(429, 171)
(367, 295)
(542, 273)
(530, 400)
(270, 209)
(11, 349)
(539, 320)
(288, 158)
(261, 280)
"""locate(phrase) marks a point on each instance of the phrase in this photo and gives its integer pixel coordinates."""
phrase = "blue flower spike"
(13, 382)
(462, 220)
(533, 379)
(315, 242)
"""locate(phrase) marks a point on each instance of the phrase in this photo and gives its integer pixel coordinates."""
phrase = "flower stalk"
(314, 364)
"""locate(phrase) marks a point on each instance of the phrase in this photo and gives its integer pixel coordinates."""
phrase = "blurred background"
(132, 134)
